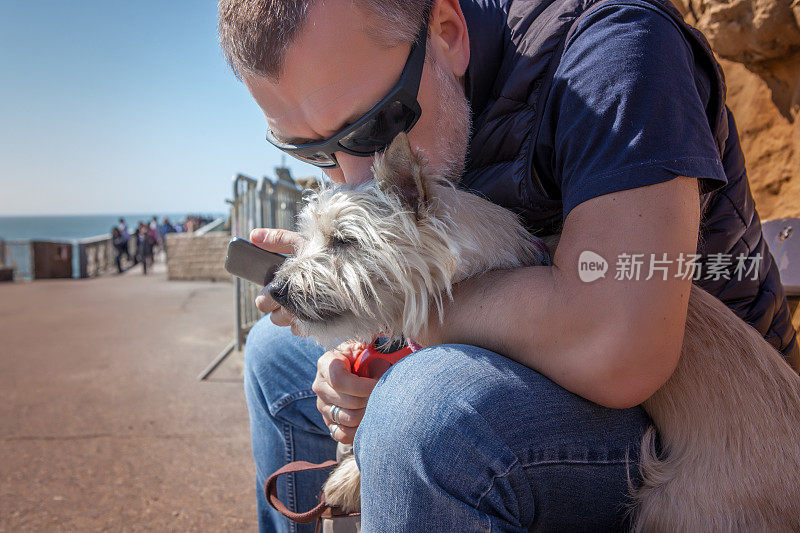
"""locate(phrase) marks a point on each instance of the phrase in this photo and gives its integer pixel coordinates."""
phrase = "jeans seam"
(279, 404)
(290, 480)
(575, 462)
(494, 478)
(542, 463)
(515, 462)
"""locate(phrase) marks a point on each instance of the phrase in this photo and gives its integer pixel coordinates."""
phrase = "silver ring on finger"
(335, 412)
(332, 430)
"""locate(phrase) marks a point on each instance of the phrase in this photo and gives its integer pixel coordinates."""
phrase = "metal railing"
(245, 216)
(18, 255)
(91, 256)
(218, 224)
(265, 203)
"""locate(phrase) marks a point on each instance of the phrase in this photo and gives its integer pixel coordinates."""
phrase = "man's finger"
(344, 417)
(281, 317)
(351, 349)
(342, 434)
(276, 240)
(266, 304)
(277, 314)
(329, 396)
(328, 360)
(344, 381)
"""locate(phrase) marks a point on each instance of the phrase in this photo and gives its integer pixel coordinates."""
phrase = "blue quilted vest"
(515, 48)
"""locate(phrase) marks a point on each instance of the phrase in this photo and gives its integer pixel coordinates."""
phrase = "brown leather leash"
(322, 509)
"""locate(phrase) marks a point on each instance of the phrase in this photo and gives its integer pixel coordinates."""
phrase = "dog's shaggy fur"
(382, 257)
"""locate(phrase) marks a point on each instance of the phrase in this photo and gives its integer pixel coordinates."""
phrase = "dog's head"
(370, 263)
(378, 257)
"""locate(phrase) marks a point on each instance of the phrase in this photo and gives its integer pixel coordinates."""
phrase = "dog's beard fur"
(353, 278)
(378, 258)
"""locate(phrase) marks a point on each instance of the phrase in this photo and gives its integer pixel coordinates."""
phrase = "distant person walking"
(166, 227)
(136, 241)
(120, 247)
(155, 231)
(126, 236)
(144, 246)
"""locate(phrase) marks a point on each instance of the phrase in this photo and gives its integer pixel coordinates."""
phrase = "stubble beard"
(454, 120)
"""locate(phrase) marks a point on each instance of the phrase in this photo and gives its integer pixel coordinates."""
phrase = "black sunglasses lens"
(377, 132)
(318, 158)
(315, 158)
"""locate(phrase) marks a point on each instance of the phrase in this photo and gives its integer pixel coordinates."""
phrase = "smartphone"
(247, 261)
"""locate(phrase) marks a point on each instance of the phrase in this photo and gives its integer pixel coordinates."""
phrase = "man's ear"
(399, 168)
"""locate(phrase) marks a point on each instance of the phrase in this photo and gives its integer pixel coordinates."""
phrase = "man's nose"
(354, 169)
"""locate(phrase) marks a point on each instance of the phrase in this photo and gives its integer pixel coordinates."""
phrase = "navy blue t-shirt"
(626, 108)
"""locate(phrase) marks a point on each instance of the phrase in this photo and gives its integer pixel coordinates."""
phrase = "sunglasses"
(396, 113)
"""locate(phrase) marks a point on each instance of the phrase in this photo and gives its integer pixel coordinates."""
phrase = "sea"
(69, 227)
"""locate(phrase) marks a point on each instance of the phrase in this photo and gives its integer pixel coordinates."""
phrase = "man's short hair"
(255, 34)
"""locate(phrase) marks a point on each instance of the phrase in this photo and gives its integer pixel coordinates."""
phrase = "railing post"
(260, 214)
(264, 203)
(31, 260)
(237, 283)
(83, 263)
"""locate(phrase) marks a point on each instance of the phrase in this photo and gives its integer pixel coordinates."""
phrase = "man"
(602, 120)
(125, 235)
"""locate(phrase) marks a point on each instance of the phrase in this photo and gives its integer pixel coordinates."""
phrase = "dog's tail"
(651, 470)
(343, 487)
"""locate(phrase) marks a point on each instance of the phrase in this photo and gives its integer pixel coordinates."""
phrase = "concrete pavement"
(103, 425)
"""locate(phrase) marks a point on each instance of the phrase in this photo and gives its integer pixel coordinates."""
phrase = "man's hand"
(336, 386)
(282, 242)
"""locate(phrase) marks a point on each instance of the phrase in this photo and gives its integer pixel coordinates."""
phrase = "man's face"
(335, 72)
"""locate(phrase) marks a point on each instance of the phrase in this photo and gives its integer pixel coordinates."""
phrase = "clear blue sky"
(119, 107)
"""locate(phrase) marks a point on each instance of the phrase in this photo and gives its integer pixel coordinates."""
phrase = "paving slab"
(103, 425)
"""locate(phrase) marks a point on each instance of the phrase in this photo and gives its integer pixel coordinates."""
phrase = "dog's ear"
(400, 168)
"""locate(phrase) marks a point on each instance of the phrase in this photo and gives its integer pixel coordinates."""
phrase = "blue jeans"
(455, 438)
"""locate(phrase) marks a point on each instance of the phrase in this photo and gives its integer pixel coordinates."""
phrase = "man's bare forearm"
(612, 341)
(527, 315)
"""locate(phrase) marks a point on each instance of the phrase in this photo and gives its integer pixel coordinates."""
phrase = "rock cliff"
(758, 42)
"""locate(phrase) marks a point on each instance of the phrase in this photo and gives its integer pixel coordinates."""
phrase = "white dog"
(381, 258)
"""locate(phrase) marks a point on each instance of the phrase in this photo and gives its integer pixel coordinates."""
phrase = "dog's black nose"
(279, 290)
